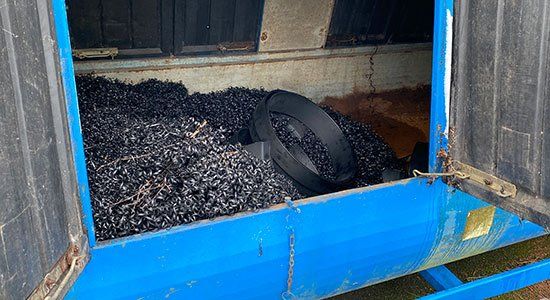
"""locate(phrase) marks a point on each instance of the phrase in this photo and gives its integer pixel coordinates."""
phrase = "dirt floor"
(401, 117)
(402, 125)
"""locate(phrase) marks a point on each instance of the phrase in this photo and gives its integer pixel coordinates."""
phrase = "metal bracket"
(235, 46)
(95, 53)
(489, 182)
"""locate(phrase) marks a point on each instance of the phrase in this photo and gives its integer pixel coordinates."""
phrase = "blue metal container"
(310, 249)
(343, 241)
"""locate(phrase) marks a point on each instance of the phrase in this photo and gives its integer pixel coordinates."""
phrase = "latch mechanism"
(487, 181)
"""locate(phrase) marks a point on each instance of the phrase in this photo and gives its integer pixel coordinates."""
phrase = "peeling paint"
(170, 292)
(260, 248)
(448, 60)
(478, 222)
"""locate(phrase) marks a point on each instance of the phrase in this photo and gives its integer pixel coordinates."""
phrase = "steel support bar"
(498, 284)
(440, 278)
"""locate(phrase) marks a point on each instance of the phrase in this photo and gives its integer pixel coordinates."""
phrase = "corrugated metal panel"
(500, 96)
(212, 25)
(37, 184)
(125, 24)
(148, 27)
(359, 22)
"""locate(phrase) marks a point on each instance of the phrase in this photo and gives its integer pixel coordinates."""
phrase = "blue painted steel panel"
(498, 284)
(451, 206)
(441, 80)
(69, 85)
(440, 278)
(344, 241)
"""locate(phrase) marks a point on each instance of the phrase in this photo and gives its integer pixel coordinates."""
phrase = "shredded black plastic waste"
(158, 157)
(308, 141)
(372, 153)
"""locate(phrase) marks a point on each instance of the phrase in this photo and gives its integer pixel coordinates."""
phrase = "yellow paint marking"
(478, 222)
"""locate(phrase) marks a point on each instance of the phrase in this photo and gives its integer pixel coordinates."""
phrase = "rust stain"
(401, 117)
(263, 37)
(56, 274)
(447, 161)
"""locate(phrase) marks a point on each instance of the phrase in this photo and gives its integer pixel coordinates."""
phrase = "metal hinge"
(95, 53)
(55, 283)
(487, 181)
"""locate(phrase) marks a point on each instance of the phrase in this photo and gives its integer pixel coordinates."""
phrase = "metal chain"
(371, 69)
(370, 74)
(288, 293)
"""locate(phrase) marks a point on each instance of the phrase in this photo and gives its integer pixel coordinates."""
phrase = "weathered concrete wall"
(291, 24)
(313, 73)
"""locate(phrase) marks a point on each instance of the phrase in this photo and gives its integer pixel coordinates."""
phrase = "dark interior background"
(178, 27)
(360, 22)
(164, 27)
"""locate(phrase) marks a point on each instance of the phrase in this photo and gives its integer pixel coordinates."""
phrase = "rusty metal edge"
(486, 180)
(51, 283)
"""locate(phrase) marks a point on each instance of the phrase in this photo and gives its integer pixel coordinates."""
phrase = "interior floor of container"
(401, 117)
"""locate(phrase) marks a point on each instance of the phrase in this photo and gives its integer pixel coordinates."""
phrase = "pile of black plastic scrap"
(159, 157)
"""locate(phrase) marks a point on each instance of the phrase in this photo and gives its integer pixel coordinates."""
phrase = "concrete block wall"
(292, 25)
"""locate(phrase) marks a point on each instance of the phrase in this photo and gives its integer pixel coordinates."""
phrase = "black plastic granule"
(158, 157)
(181, 172)
(372, 153)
